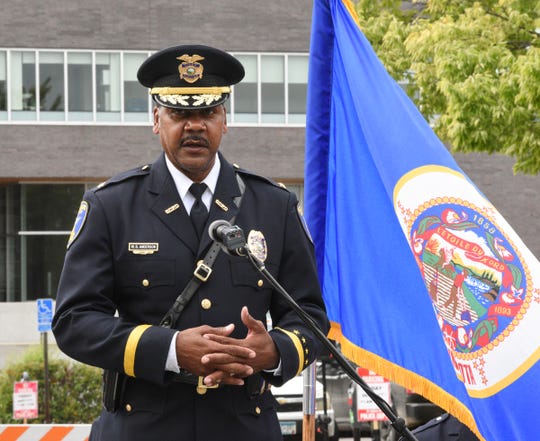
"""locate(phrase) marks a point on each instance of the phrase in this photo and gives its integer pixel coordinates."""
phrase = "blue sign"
(45, 311)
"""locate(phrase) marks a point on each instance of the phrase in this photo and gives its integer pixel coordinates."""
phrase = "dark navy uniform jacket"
(444, 428)
(135, 252)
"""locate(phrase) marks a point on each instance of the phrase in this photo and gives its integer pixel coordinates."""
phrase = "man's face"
(191, 138)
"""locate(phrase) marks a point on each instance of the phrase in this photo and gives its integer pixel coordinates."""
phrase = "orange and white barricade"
(44, 432)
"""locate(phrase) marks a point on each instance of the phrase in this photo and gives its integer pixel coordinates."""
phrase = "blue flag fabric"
(424, 281)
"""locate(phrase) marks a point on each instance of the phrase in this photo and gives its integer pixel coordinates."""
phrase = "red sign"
(25, 400)
(366, 409)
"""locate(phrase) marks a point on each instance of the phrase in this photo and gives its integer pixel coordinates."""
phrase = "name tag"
(143, 247)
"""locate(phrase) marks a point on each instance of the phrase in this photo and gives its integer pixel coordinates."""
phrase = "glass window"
(80, 86)
(102, 86)
(273, 89)
(50, 207)
(3, 86)
(245, 93)
(297, 78)
(43, 258)
(23, 85)
(35, 221)
(51, 85)
(9, 241)
(108, 86)
(135, 95)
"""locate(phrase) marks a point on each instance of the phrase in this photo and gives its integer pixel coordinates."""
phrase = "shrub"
(74, 391)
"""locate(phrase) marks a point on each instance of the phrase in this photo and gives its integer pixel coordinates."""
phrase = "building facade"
(72, 114)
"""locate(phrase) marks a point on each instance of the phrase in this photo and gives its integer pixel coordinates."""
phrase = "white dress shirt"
(182, 183)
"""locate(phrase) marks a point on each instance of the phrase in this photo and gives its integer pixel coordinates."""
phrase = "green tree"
(75, 388)
(472, 68)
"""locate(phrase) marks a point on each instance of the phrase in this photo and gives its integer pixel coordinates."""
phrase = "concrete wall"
(235, 25)
(48, 152)
(18, 329)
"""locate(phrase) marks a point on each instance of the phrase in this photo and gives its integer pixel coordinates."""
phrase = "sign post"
(45, 309)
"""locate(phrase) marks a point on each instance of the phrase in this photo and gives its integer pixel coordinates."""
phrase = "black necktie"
(198, 213)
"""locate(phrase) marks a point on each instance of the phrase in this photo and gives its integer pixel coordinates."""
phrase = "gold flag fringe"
(405, 378)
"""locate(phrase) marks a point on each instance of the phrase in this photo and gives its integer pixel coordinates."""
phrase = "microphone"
(230, 237)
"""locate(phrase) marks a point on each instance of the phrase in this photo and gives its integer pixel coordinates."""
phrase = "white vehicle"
(290, 413)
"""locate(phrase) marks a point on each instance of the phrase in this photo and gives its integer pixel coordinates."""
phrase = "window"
(3, 84)
(101, 87)
(135, 95)
(23, 85)
(272, 89)
(80, 86)
(297, 83)
(51, 86)
(35, 222)
(246, 101)
(108, 86)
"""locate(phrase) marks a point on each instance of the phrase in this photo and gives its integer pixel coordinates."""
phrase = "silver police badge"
(257, 245)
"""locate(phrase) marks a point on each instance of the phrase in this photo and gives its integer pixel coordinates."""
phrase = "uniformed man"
(134, 248)
(444, 428)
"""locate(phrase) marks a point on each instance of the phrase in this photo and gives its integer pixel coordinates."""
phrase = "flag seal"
(483, 292)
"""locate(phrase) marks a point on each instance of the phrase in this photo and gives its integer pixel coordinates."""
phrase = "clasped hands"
(211, 352)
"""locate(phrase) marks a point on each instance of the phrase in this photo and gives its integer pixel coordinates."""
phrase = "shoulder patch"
(79, 223)
(139, 171)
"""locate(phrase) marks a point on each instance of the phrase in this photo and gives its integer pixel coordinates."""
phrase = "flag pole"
(308, 403)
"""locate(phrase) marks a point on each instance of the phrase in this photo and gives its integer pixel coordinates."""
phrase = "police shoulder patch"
(79, 223)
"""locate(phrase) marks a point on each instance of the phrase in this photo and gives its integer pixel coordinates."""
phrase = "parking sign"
(44, 314)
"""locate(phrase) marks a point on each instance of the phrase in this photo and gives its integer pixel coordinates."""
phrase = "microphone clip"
(234, 241)
(230, 237)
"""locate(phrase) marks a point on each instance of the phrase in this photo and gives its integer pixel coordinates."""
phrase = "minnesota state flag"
(424, 280)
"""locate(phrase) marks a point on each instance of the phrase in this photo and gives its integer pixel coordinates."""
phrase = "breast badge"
(257, 245)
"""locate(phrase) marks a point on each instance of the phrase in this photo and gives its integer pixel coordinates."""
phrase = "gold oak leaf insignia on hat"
(190, 69)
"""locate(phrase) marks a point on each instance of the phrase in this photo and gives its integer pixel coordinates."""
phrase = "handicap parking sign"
(44, 314)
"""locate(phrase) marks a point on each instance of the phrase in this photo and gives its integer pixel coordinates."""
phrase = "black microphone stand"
(238, 247)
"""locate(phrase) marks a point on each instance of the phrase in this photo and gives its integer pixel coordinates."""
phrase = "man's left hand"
(257, 339)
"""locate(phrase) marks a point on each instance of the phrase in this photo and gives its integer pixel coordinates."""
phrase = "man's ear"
(155, 127)
(225, 128)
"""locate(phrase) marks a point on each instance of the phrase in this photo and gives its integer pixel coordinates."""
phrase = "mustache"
(203, 142)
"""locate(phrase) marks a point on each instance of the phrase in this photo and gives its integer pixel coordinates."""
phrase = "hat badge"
(190, 69)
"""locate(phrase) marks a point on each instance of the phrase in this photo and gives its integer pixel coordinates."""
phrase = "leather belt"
(188, 378)
(254, 384)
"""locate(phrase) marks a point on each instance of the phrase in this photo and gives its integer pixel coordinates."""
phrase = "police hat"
(190, 76)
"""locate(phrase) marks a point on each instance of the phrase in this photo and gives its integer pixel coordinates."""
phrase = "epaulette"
(249, 173)
(135, 172)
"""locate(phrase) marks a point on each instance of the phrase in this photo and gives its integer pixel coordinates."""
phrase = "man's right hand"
(192, 347)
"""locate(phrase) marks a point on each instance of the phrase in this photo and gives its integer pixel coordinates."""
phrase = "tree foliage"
(472, 68)
(75, 389)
